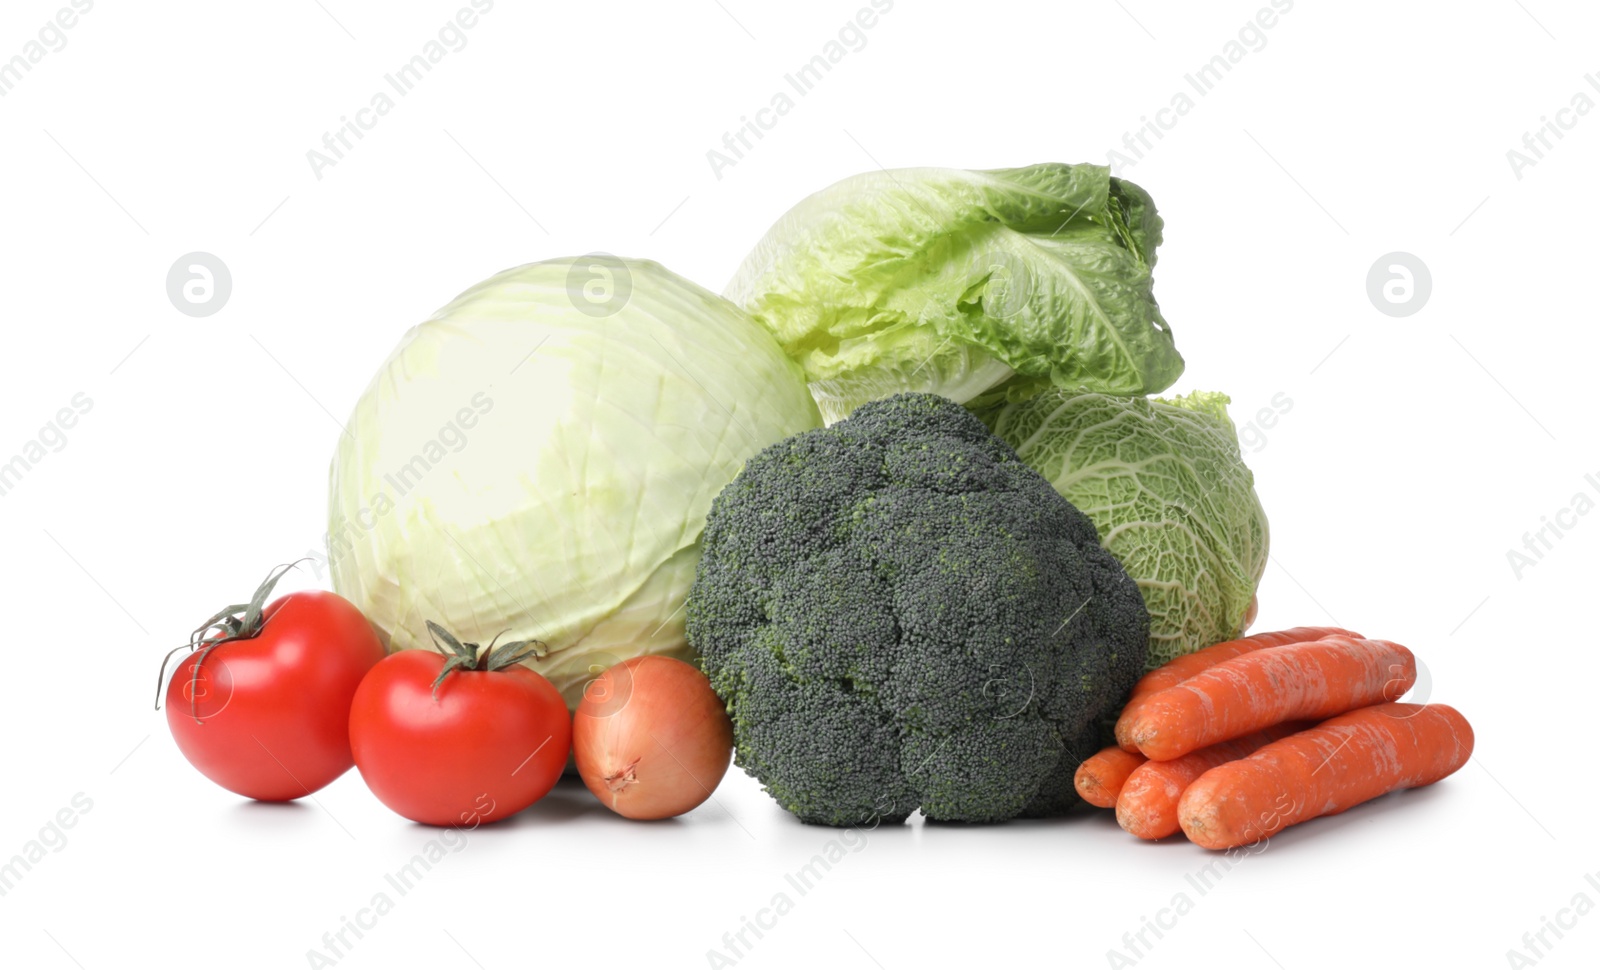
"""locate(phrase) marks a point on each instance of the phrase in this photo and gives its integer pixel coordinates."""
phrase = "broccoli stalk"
(903, 616)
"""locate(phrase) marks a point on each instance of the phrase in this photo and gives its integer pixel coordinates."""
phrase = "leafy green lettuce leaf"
(980, 286)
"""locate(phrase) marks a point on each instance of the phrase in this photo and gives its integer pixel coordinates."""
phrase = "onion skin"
(651, 738)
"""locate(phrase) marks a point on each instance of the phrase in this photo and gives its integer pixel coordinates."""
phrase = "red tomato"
(492, 743)
(269, 717)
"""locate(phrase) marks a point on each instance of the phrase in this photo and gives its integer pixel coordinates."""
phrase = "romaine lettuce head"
(537, 461)
(1164, 483)
(978, 286)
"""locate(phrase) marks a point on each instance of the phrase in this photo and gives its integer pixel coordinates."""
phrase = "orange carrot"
(1323, 771)
(1301, 681)
(1101, 775)
(1148, 804)
(1176, 671)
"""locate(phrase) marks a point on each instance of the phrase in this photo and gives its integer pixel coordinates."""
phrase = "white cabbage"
(537, 461)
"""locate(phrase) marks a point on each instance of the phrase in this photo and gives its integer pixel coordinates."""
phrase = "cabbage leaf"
(1165, 485)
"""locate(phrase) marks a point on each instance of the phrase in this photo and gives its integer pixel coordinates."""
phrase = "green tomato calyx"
(465, 656)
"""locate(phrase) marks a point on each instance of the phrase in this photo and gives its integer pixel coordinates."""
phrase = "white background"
(1417, 451)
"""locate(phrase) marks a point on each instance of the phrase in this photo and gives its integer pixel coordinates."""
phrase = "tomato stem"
(240, 621)
(464, 656)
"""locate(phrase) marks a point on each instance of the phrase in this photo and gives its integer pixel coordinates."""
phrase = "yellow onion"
(651, 738)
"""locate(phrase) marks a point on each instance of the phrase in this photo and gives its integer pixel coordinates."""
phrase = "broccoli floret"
(901, 615)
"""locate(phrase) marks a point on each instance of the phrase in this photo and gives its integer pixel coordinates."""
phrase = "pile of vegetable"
(894, 524)
(1027, 294)
(276, 700)
(1226, 743)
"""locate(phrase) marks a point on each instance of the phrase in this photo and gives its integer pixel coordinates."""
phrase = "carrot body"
(1148, 804)
(1176, 671)
(1100, 778)
(1301, 681)
(1323, 771)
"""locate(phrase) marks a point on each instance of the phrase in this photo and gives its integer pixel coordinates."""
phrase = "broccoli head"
(900, 614)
